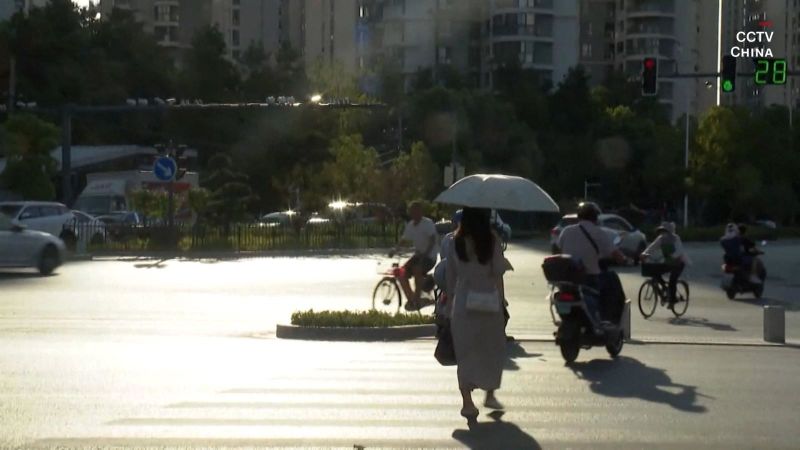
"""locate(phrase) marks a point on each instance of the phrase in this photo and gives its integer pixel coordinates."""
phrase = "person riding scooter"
(737, 254)
(588, 243)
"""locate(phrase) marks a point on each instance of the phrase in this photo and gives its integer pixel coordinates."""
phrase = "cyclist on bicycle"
(421, 232)
(668, 249)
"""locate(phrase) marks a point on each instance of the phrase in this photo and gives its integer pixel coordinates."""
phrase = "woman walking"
(475, 267)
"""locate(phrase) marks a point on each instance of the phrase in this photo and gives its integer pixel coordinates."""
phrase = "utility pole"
(686, 163)
(66, 154)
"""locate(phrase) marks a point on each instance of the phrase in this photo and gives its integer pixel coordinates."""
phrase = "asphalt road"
(156, 392)
(139, 353)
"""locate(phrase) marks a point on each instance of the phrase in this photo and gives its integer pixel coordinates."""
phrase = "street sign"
(165, 168)
(448, 174)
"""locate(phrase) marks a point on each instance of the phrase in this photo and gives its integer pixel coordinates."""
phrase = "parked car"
(89, 228)
(123, 224)
(277, 219)
(632, 241)
(47, 217)
(23, 247)
(316, 219)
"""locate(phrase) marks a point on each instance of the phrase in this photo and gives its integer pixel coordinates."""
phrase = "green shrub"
(357, 319)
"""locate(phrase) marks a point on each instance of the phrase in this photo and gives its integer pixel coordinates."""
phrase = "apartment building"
(542, 35)
(329, 33)
(9, 7)
(597, 32)
(242, 22)
(781, 18)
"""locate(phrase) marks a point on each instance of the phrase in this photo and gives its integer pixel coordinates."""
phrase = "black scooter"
(736, 279)
(578, 325)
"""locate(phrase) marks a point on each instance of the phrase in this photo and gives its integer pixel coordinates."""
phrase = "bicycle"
(655, 290)
(387, 292)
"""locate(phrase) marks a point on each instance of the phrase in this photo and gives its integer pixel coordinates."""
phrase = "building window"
(235, 2)
(235, 38)
(235, 19)
(586, 50)
(443, 54)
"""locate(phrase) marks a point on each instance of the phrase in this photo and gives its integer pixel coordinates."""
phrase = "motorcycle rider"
(750, 255)
(736, 253)
(590, 244)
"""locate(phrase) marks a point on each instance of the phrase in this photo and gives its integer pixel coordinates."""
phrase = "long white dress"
(478, 337)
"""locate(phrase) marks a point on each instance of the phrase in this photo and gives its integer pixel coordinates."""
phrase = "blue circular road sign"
(165, 168)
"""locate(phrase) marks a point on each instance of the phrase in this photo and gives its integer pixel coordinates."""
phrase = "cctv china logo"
(754, 44)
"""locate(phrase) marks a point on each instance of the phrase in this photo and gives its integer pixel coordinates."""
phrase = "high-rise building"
(9, 7)
(329, 33)
(542, 35)
(241, 22)
(667, 30)
(597, 28)
(414, 35)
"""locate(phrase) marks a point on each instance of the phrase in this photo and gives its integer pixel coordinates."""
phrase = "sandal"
(469, 413)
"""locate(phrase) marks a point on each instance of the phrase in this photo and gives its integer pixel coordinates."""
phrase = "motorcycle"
(578, 324)
(736, 279)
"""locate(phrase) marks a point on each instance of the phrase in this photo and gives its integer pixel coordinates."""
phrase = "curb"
(354, 334)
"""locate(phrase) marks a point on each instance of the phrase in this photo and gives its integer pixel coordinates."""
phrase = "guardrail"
(99, 238)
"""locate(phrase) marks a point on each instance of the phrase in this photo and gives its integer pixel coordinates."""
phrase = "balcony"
(523, 30)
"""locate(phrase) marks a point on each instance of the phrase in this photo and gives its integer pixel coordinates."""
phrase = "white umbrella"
(498, 192)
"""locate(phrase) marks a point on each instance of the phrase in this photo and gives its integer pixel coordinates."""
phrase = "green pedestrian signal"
(728, 74)
(727, 86)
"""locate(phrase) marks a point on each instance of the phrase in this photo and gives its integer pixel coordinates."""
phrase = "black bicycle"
(655, 290)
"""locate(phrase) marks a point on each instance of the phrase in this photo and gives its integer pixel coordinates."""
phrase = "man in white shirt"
(421, 233)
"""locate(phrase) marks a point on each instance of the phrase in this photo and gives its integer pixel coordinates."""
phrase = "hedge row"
(354, 319)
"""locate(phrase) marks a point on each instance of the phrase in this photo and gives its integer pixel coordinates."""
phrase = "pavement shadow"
(514, 351)
(627, 377)
(156, 265)
(701, 322)
(22, 275)
(495, 434)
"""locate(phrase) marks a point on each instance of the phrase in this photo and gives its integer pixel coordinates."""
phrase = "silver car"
(21, 247)
(632, 242)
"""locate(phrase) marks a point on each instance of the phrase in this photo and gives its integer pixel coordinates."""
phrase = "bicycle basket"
(563, 269)
(651, 270)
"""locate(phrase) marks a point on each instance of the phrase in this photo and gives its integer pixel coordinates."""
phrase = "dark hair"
(588, 211)
(475, 224)
(742, 228)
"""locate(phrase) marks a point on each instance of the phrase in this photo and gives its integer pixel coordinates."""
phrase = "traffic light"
(650, 76)
(728, 75)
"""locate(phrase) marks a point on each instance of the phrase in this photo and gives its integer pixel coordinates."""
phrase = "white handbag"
(487, 302)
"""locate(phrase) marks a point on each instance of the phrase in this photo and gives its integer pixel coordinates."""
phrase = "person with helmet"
(589, 244)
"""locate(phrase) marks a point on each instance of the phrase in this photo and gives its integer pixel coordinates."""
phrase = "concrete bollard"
(626, 321)
(774, 324)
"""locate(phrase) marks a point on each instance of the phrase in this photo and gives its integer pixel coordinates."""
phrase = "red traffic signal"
(650, 76)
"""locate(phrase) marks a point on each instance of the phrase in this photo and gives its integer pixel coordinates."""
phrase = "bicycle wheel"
(386, 296)
(648, 298)
(681, 299)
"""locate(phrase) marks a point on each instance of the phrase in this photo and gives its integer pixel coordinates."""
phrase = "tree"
(30, 169)
(412, 176)
(207, 74)
(353, 173)
(230, 196)
(152, 204)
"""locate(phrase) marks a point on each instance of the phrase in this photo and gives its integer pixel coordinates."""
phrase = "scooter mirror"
(763, 243)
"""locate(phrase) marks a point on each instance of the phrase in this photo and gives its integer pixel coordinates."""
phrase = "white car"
(632, 242)
(89, 228)
(47, 217)
(21, 247)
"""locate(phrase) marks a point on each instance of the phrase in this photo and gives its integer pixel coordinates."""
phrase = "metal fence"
(98, 238)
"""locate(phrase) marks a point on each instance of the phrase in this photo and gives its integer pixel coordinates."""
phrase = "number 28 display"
(770, 71)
